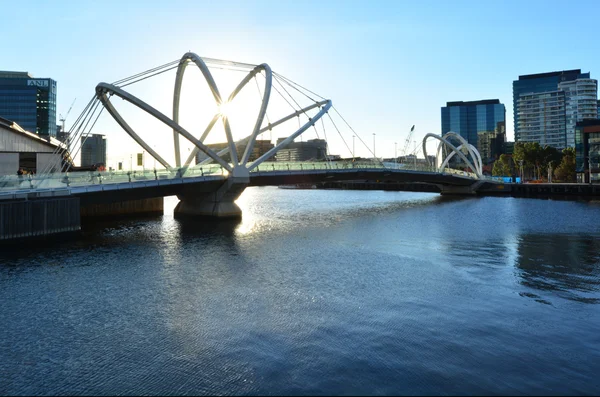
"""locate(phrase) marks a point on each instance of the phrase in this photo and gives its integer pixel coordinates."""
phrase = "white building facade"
(542, 118)
(26, 150)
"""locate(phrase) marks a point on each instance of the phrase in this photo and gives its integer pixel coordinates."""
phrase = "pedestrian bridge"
(211, 186)
(108, 187)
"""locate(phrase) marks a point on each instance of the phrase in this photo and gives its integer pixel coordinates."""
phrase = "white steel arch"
(190, 56)
(239, 168)
(473, 152)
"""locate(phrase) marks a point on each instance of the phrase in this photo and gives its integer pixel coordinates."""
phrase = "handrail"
(24, 183)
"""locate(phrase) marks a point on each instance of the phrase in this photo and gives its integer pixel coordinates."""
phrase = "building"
(29, 102)
(546, 105)
(313, 149)
(581, 103)
(542, 118)
(260, 147)
(587, 151)
(481, 123)
(20, 149)
(93, 150)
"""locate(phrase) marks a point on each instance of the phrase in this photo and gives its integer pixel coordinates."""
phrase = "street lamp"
(374, 155)
(395, 155)
(353, 136)
(521, 169)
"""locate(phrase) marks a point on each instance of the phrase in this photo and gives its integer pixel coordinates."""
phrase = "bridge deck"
(156, 183)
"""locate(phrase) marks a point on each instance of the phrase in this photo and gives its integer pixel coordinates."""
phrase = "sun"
(224, 108)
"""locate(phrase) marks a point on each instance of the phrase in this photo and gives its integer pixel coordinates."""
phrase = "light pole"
(395, 155)
(415, 153)
(353, 147)
(590, 166)
(521, 169)
(374, 155)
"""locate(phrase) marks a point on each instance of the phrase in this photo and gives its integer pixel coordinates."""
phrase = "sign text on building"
(37, 83)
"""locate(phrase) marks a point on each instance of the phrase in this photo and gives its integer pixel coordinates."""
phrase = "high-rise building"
(481, 123)
(570, 96)
(542, 118)
(29, 102)
(581, 103)
(93, 150)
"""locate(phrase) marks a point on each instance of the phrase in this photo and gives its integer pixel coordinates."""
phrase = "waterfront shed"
(26, 150)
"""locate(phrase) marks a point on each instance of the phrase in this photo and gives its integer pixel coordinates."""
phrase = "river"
(312, 292)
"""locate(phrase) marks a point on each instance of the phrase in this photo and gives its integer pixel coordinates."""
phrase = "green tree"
(565, 172)
(502, 166)
(549, 157)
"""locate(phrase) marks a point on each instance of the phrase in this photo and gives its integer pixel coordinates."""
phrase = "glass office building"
(579, 94)
(29, 102)
(93, 150)
(587, 149)
(481, 123)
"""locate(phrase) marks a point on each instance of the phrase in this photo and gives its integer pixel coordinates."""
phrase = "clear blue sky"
(385, 64)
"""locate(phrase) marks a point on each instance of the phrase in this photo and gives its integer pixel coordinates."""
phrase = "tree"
(550, 156)
(565, 172)
(502, 166)
(535, 158)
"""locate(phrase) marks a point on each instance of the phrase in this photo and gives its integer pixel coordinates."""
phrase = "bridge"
(211, 186)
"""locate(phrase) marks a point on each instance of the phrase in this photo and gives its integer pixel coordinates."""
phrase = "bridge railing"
(14, 183)
(335, 165)
(87, 178)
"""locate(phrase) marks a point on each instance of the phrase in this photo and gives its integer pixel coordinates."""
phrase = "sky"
(386, 65)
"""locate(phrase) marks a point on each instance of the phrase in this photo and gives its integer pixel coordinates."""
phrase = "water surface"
(313, 292)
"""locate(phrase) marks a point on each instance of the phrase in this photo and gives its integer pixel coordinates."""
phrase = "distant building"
(313, 149)
(29, 102)
(20, 149)
(509, 148)
(93, 150)
(481, 123)
(260, 147)
(587, 151)
(548, 105)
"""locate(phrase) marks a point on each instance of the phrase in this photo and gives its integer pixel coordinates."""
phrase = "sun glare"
(224, 108)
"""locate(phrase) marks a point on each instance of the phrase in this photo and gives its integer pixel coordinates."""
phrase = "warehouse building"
(20, 149)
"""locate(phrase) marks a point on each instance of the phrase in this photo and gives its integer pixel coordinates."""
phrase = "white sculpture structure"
(238, 169)
(474, 163)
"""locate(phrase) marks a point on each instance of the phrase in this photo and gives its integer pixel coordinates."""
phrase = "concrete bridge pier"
(217, 204)
(469, 190)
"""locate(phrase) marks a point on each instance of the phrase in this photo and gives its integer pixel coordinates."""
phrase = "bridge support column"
(461, 190)
(218, 204)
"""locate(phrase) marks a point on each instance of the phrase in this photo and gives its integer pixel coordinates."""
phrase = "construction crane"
(62, 120)
(407, 142)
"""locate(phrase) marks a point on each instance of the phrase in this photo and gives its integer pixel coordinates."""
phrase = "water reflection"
(565, 264)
